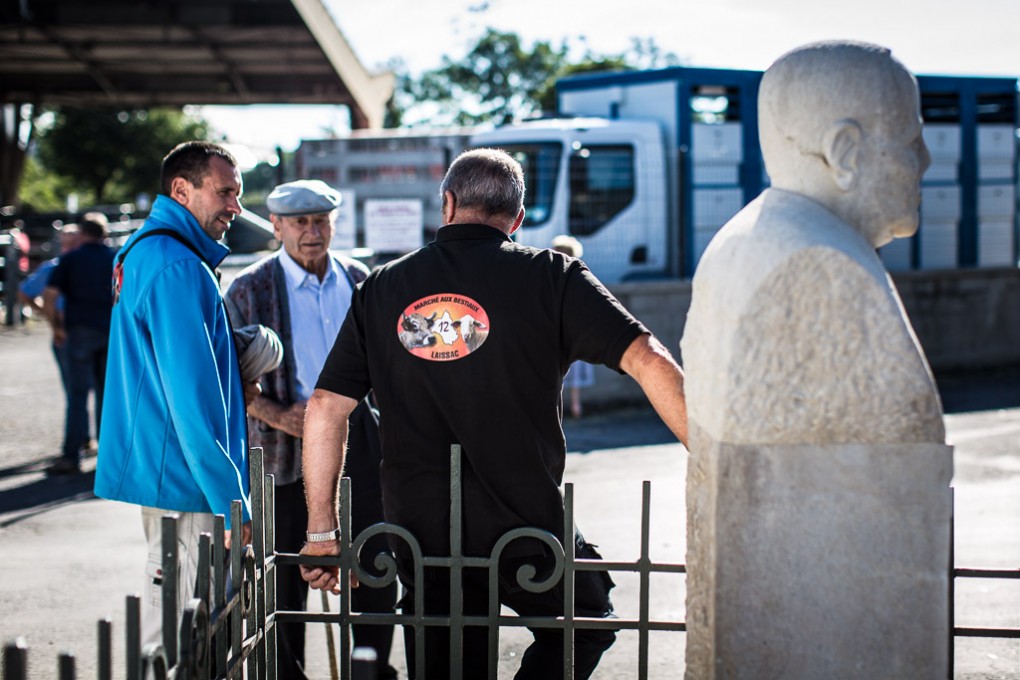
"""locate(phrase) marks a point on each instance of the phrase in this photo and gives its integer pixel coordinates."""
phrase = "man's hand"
(322, 578)
(59, 335)
(245, 535)
(251, 391)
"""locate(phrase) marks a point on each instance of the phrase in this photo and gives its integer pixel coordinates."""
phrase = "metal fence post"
(16, 659)
(65, 666)
(10, 279)
(456, 567)
(169, 590)
(104, 657)
(133, 637)
(569, 555)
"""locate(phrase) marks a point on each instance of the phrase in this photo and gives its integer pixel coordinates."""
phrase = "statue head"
(840, 123)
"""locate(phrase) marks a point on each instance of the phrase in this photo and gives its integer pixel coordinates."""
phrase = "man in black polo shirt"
(466, 341)
(83, 278)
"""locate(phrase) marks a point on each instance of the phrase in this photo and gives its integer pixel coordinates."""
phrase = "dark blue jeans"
(86, 368)
(62, 356)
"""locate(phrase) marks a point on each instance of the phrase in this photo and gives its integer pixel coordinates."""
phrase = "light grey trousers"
(190, 526)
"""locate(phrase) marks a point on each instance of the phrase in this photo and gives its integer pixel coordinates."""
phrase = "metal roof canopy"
(142, 53)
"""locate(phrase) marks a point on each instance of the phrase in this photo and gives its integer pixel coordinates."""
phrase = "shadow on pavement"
(980, 390)
(616, 429)
(41, 494)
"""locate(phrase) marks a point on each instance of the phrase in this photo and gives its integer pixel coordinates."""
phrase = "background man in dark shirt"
(467, 341)
(83, 277)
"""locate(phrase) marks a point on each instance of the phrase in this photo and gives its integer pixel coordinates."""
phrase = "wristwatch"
(322, 536)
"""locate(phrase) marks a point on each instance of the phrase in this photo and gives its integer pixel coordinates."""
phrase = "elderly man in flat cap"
(303, 292)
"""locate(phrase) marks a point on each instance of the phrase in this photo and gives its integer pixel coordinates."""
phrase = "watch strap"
(322, 536)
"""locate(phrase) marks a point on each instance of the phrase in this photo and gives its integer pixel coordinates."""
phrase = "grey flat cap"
(303, 197)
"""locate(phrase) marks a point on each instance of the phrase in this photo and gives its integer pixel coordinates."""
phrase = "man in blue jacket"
(174, 433)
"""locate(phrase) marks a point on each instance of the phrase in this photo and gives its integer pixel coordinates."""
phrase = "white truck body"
(645, 167)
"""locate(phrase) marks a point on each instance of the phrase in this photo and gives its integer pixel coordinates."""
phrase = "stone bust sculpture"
(794, 320)
(818, 508)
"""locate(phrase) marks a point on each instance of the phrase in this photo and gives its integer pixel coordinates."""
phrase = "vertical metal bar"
(258, 507)
(269, 574)
(16, 659)
(236, 581)
(11, 280)
(104, 656)
(456, 565)
(65, 666)
(952, 582)
(133, 637)
(493, 617)
(221, 643)
(569, 555)
(346, 561)
(645, 564)
(251, 623)
(202, 585)
(169, 591)
(419, 614)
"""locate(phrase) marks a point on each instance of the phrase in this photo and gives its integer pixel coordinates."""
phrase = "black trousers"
(291, 516)
(544, 657)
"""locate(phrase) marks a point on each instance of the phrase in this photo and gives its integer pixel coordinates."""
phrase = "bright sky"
(967, 37)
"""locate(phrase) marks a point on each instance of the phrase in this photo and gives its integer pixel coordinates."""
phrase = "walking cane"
(334, 672)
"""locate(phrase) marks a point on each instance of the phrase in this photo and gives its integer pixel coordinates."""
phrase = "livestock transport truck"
(645, 167)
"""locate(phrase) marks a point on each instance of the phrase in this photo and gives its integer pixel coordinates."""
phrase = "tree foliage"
(500, 79)
(42, 191)
(110, 155)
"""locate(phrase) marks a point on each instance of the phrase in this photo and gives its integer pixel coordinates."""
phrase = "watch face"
(443, 327)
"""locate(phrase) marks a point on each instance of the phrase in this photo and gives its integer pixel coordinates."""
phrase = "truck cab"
(601, 181)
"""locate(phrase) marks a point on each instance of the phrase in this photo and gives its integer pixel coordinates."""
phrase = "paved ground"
(67, 559)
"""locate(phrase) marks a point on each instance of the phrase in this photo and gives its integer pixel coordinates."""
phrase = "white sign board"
(394, 226)
(344, 226)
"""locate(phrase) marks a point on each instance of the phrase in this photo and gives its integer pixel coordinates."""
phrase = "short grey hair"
(487, 180)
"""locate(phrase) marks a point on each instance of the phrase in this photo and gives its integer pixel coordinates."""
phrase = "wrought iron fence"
(228, 627)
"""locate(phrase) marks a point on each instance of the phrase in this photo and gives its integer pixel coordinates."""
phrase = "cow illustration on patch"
(443, 327)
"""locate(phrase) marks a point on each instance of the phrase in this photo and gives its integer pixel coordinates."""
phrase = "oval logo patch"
(443, 327)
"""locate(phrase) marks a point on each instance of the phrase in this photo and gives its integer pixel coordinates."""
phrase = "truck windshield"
(541, 163)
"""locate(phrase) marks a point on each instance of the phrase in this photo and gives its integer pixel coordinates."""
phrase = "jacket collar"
(453, 232)
(168, 213)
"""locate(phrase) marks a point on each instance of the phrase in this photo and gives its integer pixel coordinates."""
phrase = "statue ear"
(841, 146)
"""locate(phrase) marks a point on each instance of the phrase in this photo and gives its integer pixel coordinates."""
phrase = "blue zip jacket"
(174, 430)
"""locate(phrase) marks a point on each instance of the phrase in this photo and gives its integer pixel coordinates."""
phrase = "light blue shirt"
(34, 285)
(317, 310)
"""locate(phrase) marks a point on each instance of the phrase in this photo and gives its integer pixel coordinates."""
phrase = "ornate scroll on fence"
(228, 626)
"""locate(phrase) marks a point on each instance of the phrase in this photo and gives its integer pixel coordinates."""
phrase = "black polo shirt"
(466, 341)
(83, 277)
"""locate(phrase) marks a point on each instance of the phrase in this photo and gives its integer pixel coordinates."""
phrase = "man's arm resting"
(322, 461)
(289, 419)
(661, 378)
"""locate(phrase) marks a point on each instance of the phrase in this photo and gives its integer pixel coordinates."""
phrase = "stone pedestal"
(818, 561)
